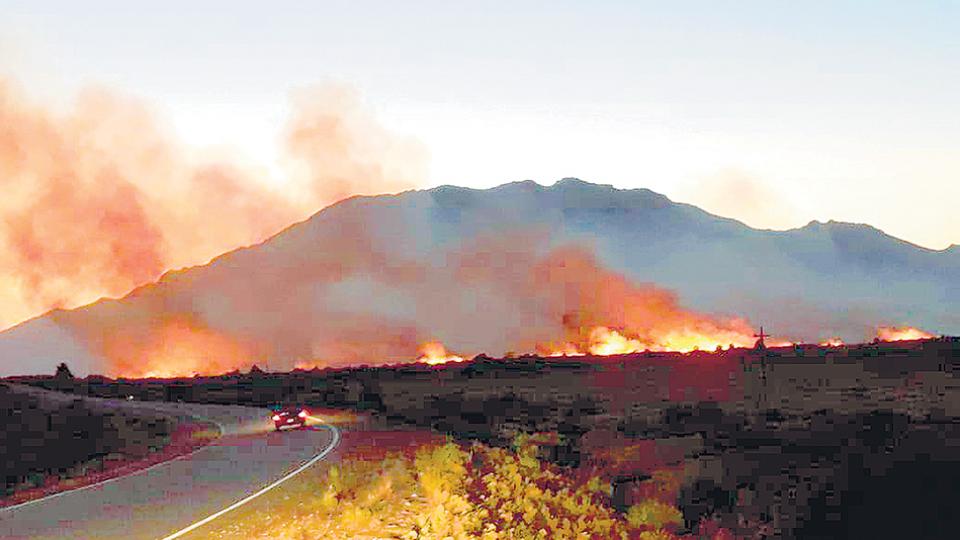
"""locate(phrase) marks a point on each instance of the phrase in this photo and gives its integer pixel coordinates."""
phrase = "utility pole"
(760, 344)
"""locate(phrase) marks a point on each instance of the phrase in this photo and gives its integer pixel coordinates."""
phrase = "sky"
(774, 113)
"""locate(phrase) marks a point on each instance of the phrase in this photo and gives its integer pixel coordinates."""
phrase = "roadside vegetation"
(441, 490)
(51, 441)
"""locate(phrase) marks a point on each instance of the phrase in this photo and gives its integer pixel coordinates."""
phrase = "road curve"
(159, 501)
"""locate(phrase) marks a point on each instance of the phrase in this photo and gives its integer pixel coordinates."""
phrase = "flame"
(604, 341)
(179, 348)
(434, 353)
(307, 366)
(603, 312)
(832, 342)
(901, 333)
(564, 349)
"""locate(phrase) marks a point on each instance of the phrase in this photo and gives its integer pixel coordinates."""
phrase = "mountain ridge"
(835, 276)
(830, 226)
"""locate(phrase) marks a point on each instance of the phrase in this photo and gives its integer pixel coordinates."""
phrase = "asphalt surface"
(154, 503)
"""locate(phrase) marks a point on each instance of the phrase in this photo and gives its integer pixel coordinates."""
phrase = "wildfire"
(434, 353)
(178, 348)
(306, 366)
(564, 349)
(901, 333)
(832, 342)
(603, 341)
(602, 312)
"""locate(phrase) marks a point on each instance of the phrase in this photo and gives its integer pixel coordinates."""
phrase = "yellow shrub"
(447, 492)
(653, 513)
(658, 534)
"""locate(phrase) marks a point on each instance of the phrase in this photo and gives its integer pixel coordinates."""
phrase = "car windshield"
(290, 410)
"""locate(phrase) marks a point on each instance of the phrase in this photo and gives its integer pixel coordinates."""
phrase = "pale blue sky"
(842, 110)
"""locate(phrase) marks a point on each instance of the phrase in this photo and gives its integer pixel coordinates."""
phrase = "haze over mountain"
(369, 279)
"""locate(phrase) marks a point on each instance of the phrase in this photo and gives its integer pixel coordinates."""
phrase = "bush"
(46, 434)
(448, 491)
(653, 513)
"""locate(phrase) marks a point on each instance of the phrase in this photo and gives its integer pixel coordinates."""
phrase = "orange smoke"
(902, 333)
(73, 226)
(603, 313)
(510, 293)
(733, 192)
(434, 353)
(337, 149)
(100, 199)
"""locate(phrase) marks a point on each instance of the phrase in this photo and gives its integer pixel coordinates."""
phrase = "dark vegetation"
(807, 442)
(47, 435)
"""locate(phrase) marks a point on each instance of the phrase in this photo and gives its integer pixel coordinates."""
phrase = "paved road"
(154, 503)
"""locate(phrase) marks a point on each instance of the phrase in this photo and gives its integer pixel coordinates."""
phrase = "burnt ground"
(797, 442)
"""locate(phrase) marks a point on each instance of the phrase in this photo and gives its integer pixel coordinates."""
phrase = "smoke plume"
(351, 299)
(99, 199)
(736, 194)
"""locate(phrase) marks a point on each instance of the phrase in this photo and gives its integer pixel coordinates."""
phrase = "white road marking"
(238, 504)
(115, 478)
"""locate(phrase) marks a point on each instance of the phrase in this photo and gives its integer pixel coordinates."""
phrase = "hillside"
(370, 278)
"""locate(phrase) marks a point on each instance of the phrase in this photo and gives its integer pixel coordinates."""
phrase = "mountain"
(367, 279)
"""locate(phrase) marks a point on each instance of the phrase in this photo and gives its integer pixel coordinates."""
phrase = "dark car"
(290, 416)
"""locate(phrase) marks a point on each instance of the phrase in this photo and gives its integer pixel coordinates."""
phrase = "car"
(290, 416)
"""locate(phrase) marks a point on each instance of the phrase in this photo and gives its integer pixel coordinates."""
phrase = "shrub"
(449, 491)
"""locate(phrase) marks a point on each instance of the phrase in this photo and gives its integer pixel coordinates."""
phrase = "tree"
(63, 372)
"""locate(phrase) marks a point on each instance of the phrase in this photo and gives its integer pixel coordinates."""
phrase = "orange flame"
(434, 353)
(179, 348)
(901, 333)
(564, 349)
(307, 366)
(603, 312)
(603, 341)
(832, 342)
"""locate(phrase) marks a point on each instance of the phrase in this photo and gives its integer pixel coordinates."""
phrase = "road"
(159, 501)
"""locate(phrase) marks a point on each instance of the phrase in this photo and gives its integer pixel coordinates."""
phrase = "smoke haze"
(510, 293)
(99, 199)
